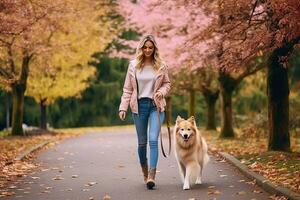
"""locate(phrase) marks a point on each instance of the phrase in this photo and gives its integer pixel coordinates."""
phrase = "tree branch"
(249, 71)
(11, 60)
(4, 73)
(290, 45)
(253, 10)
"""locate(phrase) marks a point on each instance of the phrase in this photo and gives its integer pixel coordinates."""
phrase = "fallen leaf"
(243, 161)
(106, 197)
(251, 182)
(241, 193)
(92, 183)
(56, 178)
(217, 192)
(253, 165)
(6, 193)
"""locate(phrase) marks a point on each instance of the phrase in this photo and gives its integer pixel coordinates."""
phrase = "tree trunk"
(278, 103)
(18, 105)
(43, 122)
(18, 91)
(192, 103)
(169, 110)
(227, 85)
(7, 111)
(211, 99)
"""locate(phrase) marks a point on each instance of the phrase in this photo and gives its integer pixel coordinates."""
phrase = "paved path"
(95, 164)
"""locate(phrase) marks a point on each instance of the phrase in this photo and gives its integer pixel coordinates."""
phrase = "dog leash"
(160, 133)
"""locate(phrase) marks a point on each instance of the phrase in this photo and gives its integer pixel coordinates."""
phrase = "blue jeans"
(147, 114)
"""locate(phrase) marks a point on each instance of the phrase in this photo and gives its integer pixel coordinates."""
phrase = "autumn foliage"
(233, 36)
(45, 36)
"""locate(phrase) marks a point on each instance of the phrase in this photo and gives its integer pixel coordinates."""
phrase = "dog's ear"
(192, 120)
(179, 119)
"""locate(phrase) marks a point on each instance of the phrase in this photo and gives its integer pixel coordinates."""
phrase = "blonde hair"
(157, 61)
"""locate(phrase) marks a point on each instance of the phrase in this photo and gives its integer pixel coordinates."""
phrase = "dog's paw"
(198, 181)
(186, 187)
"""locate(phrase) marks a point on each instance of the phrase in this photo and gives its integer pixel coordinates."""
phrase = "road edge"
(24, 154)
(260, 180)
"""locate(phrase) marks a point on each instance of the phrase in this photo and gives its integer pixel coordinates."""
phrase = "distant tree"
(44, 34)
(202, 80)
(98, 104)
(45, 87)
(210, 90)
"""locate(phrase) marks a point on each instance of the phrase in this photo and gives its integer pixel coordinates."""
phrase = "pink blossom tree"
(239, 31)
(193, 44)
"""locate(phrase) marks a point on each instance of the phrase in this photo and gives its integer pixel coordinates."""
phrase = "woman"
(146, 85)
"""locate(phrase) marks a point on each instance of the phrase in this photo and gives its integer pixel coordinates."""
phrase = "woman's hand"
(158, 95)
(122, 115)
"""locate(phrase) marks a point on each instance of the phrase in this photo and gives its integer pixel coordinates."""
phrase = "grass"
(4, 133)
(91, 129)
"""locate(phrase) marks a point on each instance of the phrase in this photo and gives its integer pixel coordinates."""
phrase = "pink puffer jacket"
(129, 97)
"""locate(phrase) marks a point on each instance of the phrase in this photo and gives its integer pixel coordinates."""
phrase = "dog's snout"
(185, 136)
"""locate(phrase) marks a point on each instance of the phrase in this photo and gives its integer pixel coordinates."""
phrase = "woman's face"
(148, 49)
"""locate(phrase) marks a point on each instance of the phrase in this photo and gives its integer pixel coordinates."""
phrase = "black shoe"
(150, 184)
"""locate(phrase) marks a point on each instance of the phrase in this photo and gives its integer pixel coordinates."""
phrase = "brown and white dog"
(190, 151)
